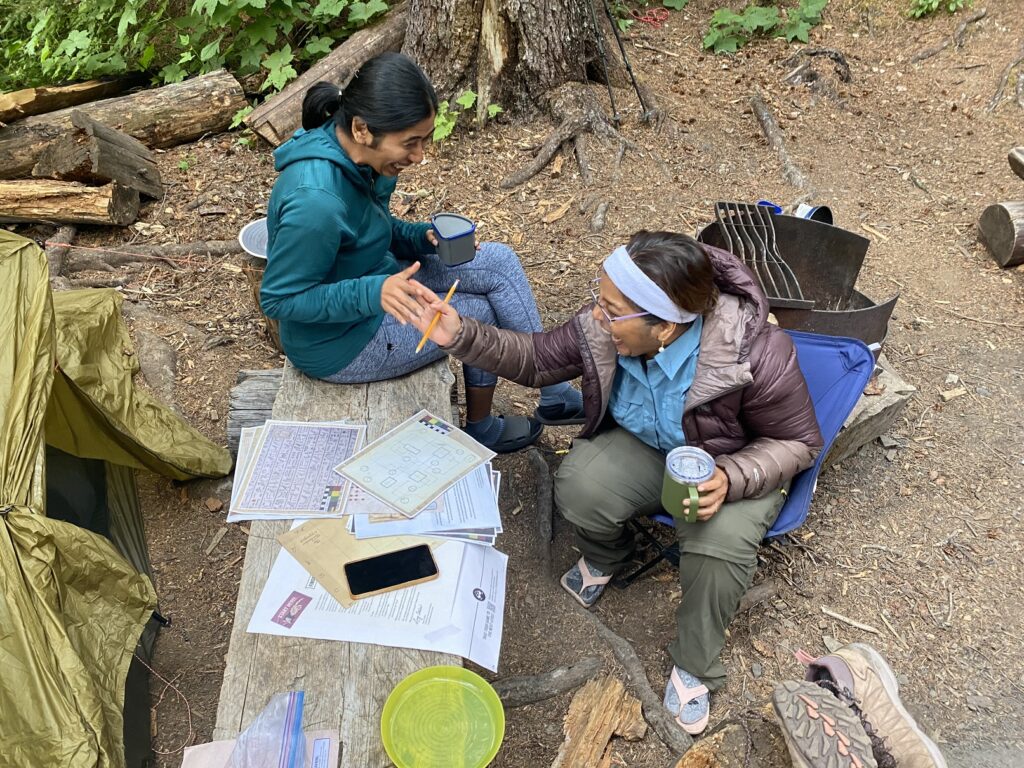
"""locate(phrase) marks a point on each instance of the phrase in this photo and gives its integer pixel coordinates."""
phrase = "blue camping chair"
(837, 370)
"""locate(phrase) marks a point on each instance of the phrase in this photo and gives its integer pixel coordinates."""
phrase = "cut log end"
(1002, 230)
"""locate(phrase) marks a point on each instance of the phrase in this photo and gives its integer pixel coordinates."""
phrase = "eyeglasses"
(595, 295)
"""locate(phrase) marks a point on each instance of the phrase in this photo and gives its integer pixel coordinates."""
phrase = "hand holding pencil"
(443, 325)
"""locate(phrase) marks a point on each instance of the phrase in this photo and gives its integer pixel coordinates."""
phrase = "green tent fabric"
(96, 413)
(72, 608)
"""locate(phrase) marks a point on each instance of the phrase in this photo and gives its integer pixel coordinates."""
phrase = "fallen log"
(159, 117)
(40, 200)
(171, 254)
(1002, 230)
(1016, 160)
(95, 153)
(520, 691)
(600, 710)
(280, 116)
(36, 101)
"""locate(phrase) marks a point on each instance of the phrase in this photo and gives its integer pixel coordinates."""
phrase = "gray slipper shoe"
(585, 583)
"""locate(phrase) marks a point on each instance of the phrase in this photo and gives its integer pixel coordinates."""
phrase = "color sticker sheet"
(415, 462)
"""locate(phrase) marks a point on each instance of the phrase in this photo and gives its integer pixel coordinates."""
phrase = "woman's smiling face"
(632, 336)
(391, 153)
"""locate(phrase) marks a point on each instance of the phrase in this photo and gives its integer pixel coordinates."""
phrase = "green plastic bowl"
(442, 717)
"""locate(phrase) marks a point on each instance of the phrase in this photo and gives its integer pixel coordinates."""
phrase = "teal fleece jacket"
(332, 242)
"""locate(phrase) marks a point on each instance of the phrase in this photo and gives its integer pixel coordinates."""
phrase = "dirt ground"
(922, 540)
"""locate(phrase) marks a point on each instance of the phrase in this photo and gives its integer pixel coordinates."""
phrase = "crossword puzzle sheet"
(414, 463)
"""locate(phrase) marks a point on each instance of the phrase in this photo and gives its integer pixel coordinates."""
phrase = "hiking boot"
(859, 676)
(820, 731)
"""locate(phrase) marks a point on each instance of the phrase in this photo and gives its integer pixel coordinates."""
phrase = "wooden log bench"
(345, 683)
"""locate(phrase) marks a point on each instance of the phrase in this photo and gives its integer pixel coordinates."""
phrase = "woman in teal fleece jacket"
(340, 268)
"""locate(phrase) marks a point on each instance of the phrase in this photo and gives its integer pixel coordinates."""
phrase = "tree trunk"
(160, 117)
(97, 154)
(510, 52)
(38, 200)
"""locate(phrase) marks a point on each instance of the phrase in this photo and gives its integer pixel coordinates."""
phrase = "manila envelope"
(323, 546)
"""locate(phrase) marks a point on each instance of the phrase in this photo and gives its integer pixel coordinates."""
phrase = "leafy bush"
(919, 8)
(446, 118)
(730, 31)
(49, 42)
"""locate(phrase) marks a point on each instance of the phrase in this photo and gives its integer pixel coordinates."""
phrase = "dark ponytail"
(389, 92)
(319, 104)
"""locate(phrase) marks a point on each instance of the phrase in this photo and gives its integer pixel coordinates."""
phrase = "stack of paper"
(468, 511)
(424, 482)
(285, 469)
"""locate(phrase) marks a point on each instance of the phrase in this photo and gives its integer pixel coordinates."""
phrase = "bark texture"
(510, 52)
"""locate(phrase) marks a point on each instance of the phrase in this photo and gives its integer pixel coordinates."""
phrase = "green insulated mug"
(686, 467)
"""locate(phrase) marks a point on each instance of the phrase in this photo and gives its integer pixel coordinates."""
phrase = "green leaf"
(147, 56)
(329, 9)
(318, 46)
(444, 122)
(262, 30)
(493, 110)
(240, 116)
(128, 18)
(675, 5)
(811, 10)
(279, 69)
(723, 17)
(77, 40)
(795, 29)
(759, 18)
(210, 50)
(172, 73)
(466, 100)
(251, 58)
(359, 13)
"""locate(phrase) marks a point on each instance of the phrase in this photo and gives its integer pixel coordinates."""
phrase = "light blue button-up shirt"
(648, 401)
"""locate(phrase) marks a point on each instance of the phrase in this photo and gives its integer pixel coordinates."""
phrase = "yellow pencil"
(437, 317)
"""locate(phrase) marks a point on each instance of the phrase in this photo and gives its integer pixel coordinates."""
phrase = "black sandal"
(559, 415)
(519, 432)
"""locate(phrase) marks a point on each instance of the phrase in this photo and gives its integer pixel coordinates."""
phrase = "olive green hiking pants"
(608, 479)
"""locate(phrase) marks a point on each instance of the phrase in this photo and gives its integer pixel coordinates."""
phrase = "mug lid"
(451, 226)
(689, 464)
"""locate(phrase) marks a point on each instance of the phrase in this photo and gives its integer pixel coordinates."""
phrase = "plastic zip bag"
(275, 738)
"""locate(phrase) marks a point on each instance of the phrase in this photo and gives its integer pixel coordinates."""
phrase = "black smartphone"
(392, 570)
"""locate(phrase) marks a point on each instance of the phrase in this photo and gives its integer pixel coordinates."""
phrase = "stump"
(254, 266)
(1016, 160)
(1002, 230)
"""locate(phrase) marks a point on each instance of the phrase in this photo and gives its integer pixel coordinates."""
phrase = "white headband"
(641, 290)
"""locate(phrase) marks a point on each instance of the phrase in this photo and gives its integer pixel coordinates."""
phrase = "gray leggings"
(492, 289)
